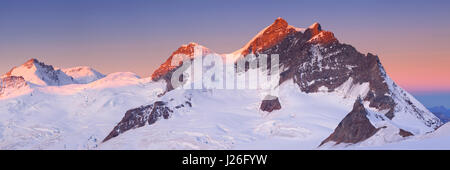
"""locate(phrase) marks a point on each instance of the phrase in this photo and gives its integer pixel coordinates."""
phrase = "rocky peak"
(83, 74)
(187, 50)
(354, 128)
(323, 37)
(268, 37)
(315, 28)
(313, 58)
(30, 63)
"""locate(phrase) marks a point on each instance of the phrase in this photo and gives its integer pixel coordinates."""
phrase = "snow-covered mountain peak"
(190, 45)
(318, 63)
(188, 49)
(278, 31)
(39, 73)
(83, 74)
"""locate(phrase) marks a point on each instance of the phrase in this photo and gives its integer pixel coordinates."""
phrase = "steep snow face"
(38, 73)
(83, 74)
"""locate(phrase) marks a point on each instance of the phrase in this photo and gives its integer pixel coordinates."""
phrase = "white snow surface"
(231, 119)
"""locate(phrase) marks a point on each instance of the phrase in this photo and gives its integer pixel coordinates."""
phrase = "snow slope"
(75, 116)
(304, 121)
(79, 116)
(438, 140)
(83, 74)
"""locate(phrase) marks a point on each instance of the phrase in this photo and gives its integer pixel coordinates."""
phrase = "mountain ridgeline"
(317, 62)
(329, 94)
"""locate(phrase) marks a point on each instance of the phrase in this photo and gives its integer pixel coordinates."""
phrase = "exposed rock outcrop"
(405, 133)
(83, 74)
(354, 128)
(39, 73)
(270, 103)
(269, 37)
(140, 116)
(315, 59)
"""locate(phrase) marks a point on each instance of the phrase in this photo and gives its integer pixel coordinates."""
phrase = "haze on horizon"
(411, 37)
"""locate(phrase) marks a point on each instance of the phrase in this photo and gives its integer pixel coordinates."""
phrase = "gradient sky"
(412, 38)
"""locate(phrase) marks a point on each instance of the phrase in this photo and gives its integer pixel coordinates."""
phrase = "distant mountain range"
(441, 112)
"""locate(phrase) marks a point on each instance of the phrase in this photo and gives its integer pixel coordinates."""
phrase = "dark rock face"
(270, 104)
(143, 115)
(354, 128)
(405, 133)
(12, 82)
(167, 66)
(315, 58)
(138, 117)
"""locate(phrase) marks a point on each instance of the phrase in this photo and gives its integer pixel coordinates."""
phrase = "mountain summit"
(39, 73)
(317, 64)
